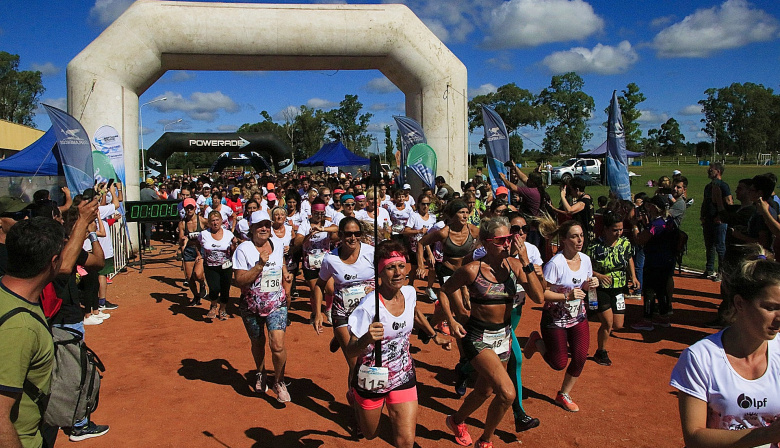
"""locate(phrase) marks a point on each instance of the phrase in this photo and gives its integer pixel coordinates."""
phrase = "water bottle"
(593, 298)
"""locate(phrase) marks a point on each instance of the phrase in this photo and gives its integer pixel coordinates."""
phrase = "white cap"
(676, 172)
(407, 187)
(259, 216)
(206, 186)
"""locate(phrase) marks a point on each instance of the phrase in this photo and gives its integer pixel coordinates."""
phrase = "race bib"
(573, 307)
(227, 265)
(620, 304)
(352, 295)
(373, 378)
(315, 260)
(193, 235)
(498, 339)
(271, 280)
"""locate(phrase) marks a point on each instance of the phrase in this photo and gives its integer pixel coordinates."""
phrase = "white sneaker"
(92, 320)
(102, 315)
(432, 295)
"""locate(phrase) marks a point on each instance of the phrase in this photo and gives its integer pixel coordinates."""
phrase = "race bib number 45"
(372, 378)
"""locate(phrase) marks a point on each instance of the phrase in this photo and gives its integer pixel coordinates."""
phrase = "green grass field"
(697, 179)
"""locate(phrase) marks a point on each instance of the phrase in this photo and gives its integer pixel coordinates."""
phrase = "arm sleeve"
(688, 376)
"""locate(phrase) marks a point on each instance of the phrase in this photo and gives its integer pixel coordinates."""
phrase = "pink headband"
(318, 207)
(360, 197)
(394, 256)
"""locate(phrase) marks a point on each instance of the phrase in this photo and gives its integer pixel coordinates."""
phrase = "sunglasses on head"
(357, 234)
(515, 230)
(501, 240)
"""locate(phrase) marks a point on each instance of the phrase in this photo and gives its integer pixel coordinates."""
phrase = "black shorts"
(477, 335)
(311, 274)
(189, 254)
(442, 272)
(609, 300)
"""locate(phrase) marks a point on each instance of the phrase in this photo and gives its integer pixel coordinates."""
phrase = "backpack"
(75, 378)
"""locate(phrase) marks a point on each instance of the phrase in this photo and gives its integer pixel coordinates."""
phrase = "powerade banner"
(108, 156)
(411, 134)
(497, 145)
(617, 160)
(75, 150)
(422, 161)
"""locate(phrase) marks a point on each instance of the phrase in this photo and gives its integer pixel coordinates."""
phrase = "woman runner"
(397, 316)
(316, 244)
(486, 338)
(217, 245)
(189, 229)
(564, 322)
(420, 223)
(259, 271)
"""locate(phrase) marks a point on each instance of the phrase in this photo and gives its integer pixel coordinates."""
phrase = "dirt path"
(175, 380)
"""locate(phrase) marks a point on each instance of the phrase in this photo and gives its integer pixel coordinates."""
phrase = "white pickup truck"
(575, 166)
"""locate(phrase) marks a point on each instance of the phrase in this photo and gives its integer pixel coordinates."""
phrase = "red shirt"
(237, 206)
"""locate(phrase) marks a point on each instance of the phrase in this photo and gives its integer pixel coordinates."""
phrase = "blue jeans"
(714, 242)
(639, 266)
(80, 328)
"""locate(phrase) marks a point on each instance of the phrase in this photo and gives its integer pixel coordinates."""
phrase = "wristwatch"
(529, 268)
(92, 237)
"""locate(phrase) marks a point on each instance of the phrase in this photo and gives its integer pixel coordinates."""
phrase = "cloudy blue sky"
(672, 49)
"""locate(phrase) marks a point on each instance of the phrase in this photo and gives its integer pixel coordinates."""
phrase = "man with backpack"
(26, 346)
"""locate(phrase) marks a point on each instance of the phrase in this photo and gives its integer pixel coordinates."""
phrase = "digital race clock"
(137, 211)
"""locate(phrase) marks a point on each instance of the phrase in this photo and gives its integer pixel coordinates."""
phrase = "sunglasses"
(349, 204)
(325, 195)
(501, 240)
(190, 207)
(357, 234)
(515, 230)
(425, 203)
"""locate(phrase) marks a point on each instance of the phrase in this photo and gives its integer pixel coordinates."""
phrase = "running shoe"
(460, 431)
(565, 401)
(92, 320)
(88, 431)
(108, 306)
(602, 358)
(662, 321)
(223, 315)
(261, 385)
(525, 422)
(461, 379)
(431, 295)
(282, 396)
(643, 325)
(530, 346)
(102, 315)
(482, 444)
(109, 281)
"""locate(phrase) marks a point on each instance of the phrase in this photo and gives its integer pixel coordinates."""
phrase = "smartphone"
(110, 182)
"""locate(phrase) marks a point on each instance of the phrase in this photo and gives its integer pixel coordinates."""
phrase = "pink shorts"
(392, 397)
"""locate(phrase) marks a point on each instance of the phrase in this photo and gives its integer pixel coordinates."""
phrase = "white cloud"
(201, 106)
(106, 11)
(731, 25)
(501, 62)
(59, 103)
(227, 128)
(449, 21)
(378, 107)
(527, 23)
(484, 89)
(703, 136)
(388, 107)
(47, 69)
(603, 59)
(658, 22)
(319, 103)
(182, 75)
(381, 85)
(652, 117)
(288, 113)
(693, 109)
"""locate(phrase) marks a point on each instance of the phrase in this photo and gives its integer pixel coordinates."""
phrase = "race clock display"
(144, 211)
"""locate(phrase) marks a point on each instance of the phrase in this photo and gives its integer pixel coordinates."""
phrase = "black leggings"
(218, 280)
(654, 288)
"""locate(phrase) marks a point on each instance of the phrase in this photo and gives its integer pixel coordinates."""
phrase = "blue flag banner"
(411, 134)
(617, 160)
(497, 145)
(75, 150)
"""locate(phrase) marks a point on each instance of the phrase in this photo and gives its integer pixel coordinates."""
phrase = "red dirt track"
(174, 380)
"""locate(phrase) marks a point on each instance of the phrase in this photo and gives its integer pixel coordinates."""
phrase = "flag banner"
(617, 160)
(497, 145)
(411, 134)
(109, 153)
(422, 161)
(75, 150)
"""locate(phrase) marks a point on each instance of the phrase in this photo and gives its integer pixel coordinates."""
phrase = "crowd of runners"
(352, 246)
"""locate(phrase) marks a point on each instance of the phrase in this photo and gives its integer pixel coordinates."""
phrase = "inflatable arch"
(105, 80)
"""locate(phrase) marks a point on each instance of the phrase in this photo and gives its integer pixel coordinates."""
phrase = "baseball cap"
(271, 197)
(338, 191)
(206, 186)
(10, 204)
(190, 201)
(236, 190)
(270, 186)
(502, 190)
(676, 172)
(258, 217)
(407, 187)
(150, 181)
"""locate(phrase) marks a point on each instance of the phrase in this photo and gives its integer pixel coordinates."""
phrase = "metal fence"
(121, 246)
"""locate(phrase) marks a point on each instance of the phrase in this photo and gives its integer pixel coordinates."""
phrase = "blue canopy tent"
(41, 158)
(601, 151)
(334, 154)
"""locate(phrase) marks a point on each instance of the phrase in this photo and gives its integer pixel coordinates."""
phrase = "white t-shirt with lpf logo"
(733, 402)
